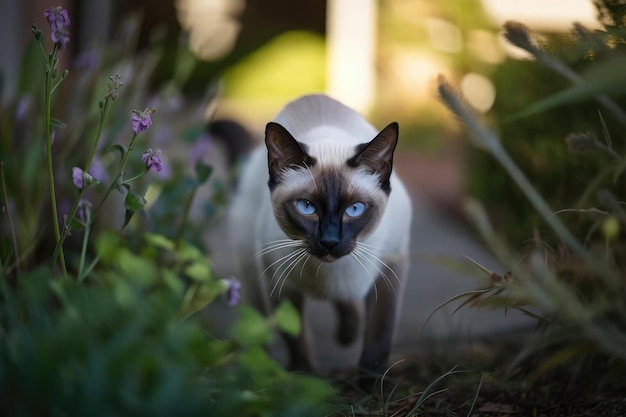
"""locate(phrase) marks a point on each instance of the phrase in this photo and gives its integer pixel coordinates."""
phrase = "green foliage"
(120, 347)
(287, 318)
(540, 103)
(97, 354)
(114, 327)
(571, 275)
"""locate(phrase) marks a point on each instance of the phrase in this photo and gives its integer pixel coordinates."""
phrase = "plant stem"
(90, 268)
(486, 140)
(83, 252)
(94, 147)
(58, 250)
(136, 177)
(53, 202)
(66, 230)
(559, 67)
(103, 112)
(116, 179)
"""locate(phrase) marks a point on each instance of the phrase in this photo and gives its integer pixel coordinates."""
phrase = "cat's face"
(328, 203)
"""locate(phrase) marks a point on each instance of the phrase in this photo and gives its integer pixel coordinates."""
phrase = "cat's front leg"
(382, 308)
(348, 327)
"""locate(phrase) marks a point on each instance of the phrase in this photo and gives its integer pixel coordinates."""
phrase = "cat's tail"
(236, 140)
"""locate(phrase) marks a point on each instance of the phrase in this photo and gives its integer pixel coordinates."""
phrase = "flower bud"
(581, 142)
(519, 35)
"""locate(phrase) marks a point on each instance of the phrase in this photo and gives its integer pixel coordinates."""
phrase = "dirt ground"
(480, 385)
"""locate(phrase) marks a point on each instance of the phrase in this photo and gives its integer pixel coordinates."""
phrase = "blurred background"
(197, 61)
(380, 57)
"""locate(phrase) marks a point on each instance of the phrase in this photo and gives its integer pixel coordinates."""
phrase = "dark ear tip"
(271, 126)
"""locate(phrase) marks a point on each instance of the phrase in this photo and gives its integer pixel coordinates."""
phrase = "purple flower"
(60, 36)
(81, 179)
(232, 292)
(57, 17)
(59, 21)
(83, 207)
(77, 177)
(141, 120)
(152, 159)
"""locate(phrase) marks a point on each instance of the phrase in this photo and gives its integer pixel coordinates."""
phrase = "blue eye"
(355, 209)
(305, 207)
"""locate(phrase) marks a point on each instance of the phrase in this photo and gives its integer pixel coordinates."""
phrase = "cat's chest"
(345, 279)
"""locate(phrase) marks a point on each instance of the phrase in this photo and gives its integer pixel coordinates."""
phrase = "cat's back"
(317, 117)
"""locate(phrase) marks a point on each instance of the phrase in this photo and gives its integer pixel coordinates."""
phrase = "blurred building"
(351, 28)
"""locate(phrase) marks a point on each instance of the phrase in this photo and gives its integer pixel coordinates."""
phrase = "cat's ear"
(377, 155)
(283, 151)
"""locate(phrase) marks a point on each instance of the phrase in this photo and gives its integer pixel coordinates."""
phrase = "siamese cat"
(320, 213)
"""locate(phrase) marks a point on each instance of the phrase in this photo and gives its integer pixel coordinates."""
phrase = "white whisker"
(373, 247)
(282, 260)
(367, 255)
(318, 269)
(373, 254)
(356, 256)
(275, 245)
(287, 258)
(308, 256)
(289, 269)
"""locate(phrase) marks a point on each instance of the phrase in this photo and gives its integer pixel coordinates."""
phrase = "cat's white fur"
(331, 132)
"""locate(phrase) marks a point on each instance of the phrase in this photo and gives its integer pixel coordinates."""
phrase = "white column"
(351, 40)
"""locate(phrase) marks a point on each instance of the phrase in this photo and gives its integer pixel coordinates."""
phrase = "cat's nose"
(329, 242)
(330, 236)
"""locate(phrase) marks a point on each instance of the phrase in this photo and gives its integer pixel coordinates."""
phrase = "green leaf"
(159, 241)
(252, 329)
(108, 245)
(199, 295)
(287, 318)
(203, 172)
(260, 365)
(128, 216)
(601, 78)
(199, 271)
(57, 123)
(138, 270)
(134, 201)
(173, 282)
(190, 253)
(123, 293)
(75, 224)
